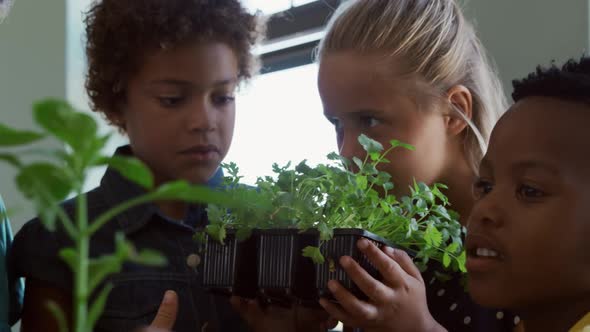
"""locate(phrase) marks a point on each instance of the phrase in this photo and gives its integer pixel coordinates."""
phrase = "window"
(279, 118)
(269, 7)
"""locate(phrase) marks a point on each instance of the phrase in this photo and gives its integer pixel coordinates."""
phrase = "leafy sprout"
(326, 197)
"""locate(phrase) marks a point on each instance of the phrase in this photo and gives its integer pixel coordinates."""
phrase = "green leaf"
(200, 237)
(436, 191)
(46, 178)
(215, 214)
(88, 156)
(388, 186)
(97, 307)
(375, 156)
(421, 204)
(149, 257)
(61, 120)
(361, 182)
(412, 227)
(461, 261)
(370, 145)
(70, 256)
(326, 233)
(59, 315)
(101, 267)
(446, 260)
(46, 185)
(452, 248)
(371, 169)
(395, 143)
(358, 162)
(132, 169)
(123, 248)
(386, 208)
(314, 253)
(10, 159)
(442, 211)
(14, 137)
(432, 236)
(217, 232)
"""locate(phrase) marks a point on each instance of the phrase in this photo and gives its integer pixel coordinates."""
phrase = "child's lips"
(201, 153)
(483, 253)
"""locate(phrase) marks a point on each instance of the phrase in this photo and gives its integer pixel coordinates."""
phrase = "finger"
(311, 314)
(392, 273)
(166, 315)
(373, 288)
(337, 312)
(357, 309)
(404, 260)
(331, 323)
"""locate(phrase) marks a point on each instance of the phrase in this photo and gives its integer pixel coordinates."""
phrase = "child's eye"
(528, 192)
(222, 100)
(369, 121)
(481, 188)
(170, 102)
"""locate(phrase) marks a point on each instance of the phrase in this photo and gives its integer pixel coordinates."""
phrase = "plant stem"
(81, 282)
(67, 223)
(110, 214)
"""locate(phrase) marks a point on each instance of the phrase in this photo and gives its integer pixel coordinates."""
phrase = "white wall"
(521, 34)
(32, 66)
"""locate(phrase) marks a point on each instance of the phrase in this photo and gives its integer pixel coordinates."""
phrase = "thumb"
(166, 316)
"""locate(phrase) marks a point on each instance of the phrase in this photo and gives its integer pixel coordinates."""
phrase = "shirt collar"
(118, 189)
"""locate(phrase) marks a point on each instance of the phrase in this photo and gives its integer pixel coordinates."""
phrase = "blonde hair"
(434, 42)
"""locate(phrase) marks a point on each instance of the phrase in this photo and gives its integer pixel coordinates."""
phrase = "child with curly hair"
(164, 73)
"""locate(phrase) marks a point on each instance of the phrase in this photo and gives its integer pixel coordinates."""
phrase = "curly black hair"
(120, 32)
(571, 82)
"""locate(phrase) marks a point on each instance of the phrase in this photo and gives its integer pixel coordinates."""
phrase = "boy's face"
(180, 110)
(528, 237)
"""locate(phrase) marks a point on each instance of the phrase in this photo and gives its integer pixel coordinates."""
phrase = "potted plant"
(320, 212)
(47, 177)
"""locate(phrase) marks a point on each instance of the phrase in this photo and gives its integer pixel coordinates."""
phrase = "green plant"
(347, 194)
(56, 174)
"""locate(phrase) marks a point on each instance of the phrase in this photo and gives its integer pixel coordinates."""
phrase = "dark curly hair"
(571, 82)
(120, 32)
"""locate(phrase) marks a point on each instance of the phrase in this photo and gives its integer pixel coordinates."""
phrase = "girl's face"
(179, 113)
(358, 98)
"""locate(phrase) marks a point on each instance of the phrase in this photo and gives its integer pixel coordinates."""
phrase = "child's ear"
(461, 109)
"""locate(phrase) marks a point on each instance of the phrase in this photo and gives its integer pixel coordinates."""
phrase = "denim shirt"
(138, 290)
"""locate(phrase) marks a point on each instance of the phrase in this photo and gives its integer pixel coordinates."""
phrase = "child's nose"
(348, 146)
(486, 212)
(201, 116)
